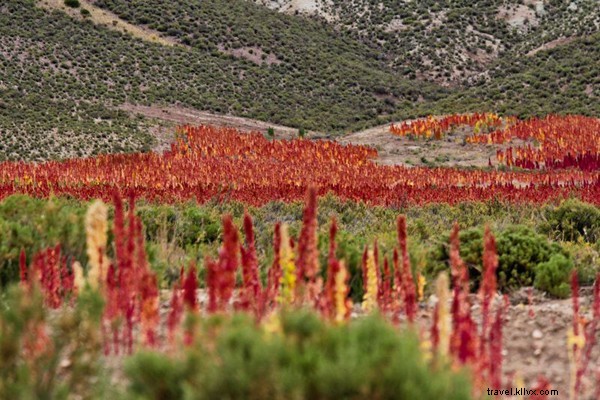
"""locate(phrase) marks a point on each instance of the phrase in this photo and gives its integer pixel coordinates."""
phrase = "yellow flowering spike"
(78, 278)
(272, 324)
(421, 282)
(519, 383)
(426, 351)
(573, 339)
(370, 296)
(443, 294)
(288, 269)
(343, 305)
(95, 231)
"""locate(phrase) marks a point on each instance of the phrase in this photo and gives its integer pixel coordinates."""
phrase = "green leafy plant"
(573, 220)
(553, 275)
(520, 250)
(303, 359)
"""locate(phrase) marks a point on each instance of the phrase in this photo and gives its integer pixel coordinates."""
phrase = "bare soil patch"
(395, 150)
(168, 117)
(253, 54)
(451, 151)
(519, 16)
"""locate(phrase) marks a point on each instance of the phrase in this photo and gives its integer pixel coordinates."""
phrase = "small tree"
(301, 133)
(271, 132)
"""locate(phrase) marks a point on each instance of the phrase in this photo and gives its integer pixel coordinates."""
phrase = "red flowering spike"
(149, 307)
(495, 350)
(364, 269)
(398, 287)
(189, 289)
(227, 264)
(67, 278)
(274, 274)
(487, 291)
(410, 295)
(251, 294)
(386, 287)
(307, 266)
(212, 283)
(175, 313)
(541, 387)
(333, 267)
(23, 269)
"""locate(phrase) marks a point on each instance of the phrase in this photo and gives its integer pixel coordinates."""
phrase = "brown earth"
(552, 44)
(166, 118)
(535, 340)
(395, 150)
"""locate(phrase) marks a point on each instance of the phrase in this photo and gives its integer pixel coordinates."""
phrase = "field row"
(552, 142)
(206, 163)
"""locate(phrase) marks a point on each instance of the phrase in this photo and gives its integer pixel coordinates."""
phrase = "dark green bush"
(573, 220)
(72, 3)
(553, 275)
(234, 358)
(519, 249)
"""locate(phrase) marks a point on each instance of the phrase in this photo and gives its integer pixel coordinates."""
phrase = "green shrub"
(305, 358)
(72, 3)
(573, 220)
(553, 275)
(72, 335)
(32, 225)
(519, 249)
(586, 259)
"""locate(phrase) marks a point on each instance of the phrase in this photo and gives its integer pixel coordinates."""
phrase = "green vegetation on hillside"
(63, 78)
(451, 41)
(562, 80)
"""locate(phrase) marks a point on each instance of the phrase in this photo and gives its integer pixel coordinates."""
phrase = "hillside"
(564, 79)
(451, 42)
(64, 78)
(69, 78)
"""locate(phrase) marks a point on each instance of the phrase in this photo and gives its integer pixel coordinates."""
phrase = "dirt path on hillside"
(108, 19)
(172, 116)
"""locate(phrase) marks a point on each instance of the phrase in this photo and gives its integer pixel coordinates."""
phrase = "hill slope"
(67, 81)
(67, 77)
(450, 42)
